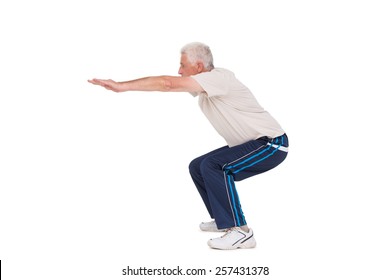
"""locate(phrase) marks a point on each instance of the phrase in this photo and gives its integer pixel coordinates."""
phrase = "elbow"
(167, 84)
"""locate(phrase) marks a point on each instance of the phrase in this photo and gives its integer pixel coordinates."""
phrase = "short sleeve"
(214, 82)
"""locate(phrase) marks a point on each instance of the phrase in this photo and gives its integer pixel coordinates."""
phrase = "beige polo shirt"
(232, 109)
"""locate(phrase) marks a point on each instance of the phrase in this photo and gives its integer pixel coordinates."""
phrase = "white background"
(93, 181)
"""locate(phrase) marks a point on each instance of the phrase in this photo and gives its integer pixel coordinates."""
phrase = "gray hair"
(199, 52)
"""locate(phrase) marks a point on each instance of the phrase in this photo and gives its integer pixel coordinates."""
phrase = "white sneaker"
(210, 226)
(234, 238)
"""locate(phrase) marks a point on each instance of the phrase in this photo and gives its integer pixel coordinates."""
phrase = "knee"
(209, 164)
(194, 166)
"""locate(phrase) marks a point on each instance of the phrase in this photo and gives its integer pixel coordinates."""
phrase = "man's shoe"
(234, 238)
(210, 226)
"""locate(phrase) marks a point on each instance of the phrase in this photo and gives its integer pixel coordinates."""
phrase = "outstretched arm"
(157, 83)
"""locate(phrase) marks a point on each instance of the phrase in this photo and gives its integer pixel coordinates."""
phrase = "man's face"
(186, 68)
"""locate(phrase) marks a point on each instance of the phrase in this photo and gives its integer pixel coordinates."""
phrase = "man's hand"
(108, 84)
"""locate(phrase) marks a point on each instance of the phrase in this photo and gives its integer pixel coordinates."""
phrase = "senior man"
(255, 141)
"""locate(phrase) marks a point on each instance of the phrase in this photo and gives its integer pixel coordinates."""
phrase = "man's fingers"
(108, 84)
(94, 81)
(99, 82)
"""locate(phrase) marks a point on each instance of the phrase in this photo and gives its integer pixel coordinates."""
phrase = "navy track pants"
(214, 175)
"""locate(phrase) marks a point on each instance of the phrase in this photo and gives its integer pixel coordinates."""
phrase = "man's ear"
(200, 67)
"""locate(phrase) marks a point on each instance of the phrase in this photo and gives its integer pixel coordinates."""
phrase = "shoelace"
(228, 231)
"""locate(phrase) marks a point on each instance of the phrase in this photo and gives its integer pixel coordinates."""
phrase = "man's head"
(195, 58)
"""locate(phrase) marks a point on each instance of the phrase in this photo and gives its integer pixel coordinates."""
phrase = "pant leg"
(221, 168)
(197, 177)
